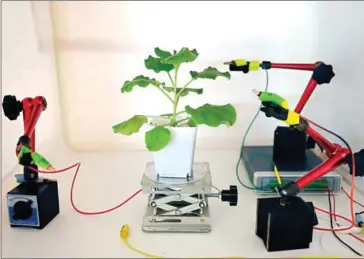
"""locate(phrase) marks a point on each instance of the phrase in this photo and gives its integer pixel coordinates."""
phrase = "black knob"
(22, 210)
(230, 195)
(12, 107)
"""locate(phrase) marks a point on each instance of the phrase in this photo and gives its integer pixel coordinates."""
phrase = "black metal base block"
(32, 204)
(289, 146)
(285, 226)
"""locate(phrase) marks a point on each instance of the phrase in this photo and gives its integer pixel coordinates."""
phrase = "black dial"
(22, 210)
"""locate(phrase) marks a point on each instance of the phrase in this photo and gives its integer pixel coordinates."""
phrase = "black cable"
(334, 233)
(361, 212)
(336, 135)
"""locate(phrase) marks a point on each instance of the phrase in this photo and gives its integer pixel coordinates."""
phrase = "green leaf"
(213, 115)
(185, 92)
(210, 73)
(156, 64)
(130, 126)
(141, 81)
(157, 138)
(162, 53)
(184, 55)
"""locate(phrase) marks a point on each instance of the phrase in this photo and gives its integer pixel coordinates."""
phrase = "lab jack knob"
(230, 195)
(12, 107)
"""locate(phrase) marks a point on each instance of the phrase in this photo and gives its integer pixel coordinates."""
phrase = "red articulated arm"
(321, 74)
(32, 108)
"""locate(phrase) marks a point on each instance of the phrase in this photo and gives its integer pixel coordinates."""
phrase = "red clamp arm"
(337, 155)
(32, 108)
(322, 74)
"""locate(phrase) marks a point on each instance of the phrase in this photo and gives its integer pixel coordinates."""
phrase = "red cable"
(361, 205)
(137, 192)
(335, 217)
(333, 214)
(334, 211)
(352, 189)
(72, 189)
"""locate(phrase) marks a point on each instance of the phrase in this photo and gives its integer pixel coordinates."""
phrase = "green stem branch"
(170, 78)
(163, 92)
(181, 91)
(179, 121)
(181, 112)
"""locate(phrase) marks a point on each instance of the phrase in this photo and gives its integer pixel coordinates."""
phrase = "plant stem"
(175, 101)
(163, 92)
(185, 119)
(180, 112)
(180, 92)
(170, 77)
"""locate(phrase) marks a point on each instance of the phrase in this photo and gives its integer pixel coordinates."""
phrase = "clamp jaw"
(277, 107)
(25, 147)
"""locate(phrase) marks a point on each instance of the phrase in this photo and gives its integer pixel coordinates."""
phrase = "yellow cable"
(125, 233)
(278, 176)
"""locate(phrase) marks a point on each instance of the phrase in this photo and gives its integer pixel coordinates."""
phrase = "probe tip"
(51, 168)
(256, 92)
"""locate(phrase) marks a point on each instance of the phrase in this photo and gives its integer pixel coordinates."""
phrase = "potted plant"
(171, 137)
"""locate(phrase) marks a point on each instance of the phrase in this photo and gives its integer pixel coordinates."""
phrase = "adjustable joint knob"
(230, 195)
(12, 107)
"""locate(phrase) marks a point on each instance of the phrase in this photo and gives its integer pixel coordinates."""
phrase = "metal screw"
(153, 204)
(202, 205)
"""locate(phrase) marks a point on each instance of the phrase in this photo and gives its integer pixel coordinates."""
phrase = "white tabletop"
(107, 179)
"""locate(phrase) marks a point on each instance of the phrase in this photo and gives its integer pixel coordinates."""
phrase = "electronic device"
(258, 163)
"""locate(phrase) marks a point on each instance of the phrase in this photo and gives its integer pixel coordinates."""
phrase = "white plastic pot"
(176, 159)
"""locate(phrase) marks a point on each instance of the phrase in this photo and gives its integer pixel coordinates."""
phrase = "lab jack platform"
(181, 204)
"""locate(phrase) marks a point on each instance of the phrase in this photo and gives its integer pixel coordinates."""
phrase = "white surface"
(92, 62)
(27, 71)
(176, 159)
(106, 179)
(100, 45)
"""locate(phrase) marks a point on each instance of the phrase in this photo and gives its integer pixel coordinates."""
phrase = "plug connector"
(124, 232)
(359, 220)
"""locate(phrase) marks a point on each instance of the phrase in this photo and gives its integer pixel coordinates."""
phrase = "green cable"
(254, 188)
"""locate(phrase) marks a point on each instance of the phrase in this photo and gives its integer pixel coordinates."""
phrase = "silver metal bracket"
(178, 204)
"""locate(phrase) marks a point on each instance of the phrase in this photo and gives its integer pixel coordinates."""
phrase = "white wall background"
(99, 45)
(27, 71)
